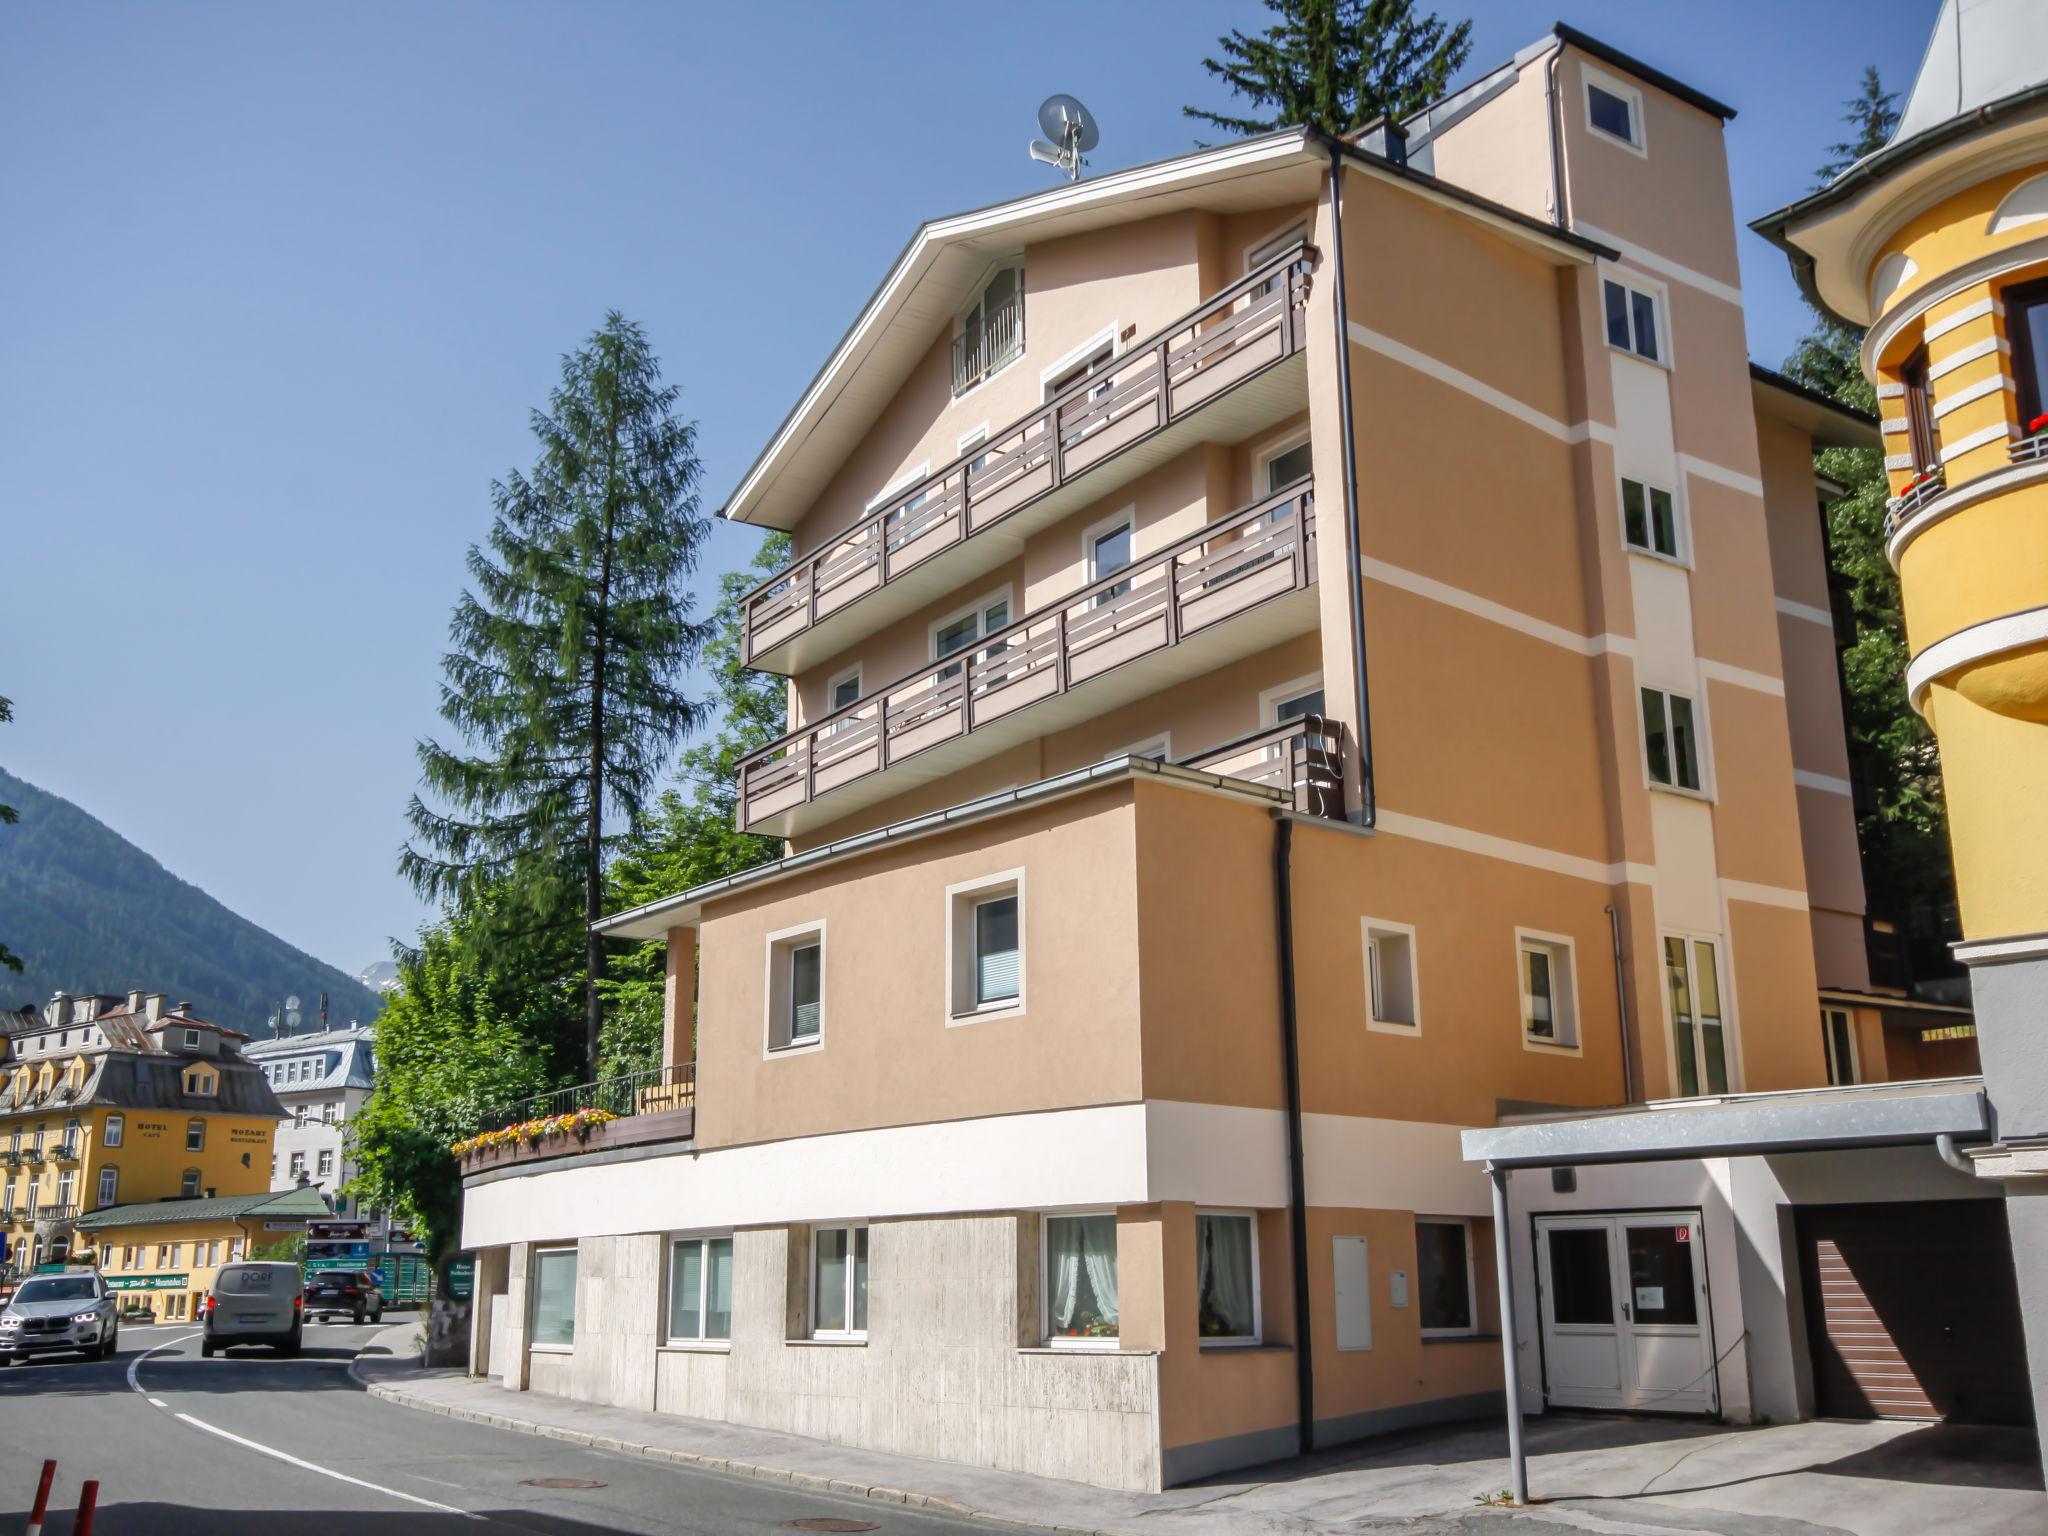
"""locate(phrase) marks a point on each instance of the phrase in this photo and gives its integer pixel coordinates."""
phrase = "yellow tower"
(1938, 244)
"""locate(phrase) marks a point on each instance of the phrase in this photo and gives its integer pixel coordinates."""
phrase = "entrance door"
(1625, 1312)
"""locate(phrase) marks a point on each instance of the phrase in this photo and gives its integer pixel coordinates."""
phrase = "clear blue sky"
(282, 283)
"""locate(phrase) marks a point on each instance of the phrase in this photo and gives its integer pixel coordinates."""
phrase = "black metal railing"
(654, 1091)
(1300, 757)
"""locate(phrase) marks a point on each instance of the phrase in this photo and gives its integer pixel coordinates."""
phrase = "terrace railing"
(1301, 757)
(1236, 336)
(630, 1093)
(1915, 496)
(1240, 562)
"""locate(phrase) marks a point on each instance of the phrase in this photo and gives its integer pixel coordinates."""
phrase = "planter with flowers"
(493, 1146)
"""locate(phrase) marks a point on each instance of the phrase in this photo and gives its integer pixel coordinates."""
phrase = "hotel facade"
(1293, 652)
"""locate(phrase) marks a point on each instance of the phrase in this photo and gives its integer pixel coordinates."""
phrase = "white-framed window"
(1106, 548)
(191, 1037)
(969, 441)
(1258, 255)
(1614, 109)
(1549, 983)
(298, 1164)
(1692, 989)
(109, 1187)
(1158, 747)
(960, 631)
(843, 691)
(64, 1185)
(1227, 1277)
(985, 948)
(1079, 1288)
(325, 1168)
(1650, 522)
(700, 1289)
(1286, 465)
(1634, 315)
(1392, 992)
(989, 334)
(1292, 700)
(1671, 740)
(195, 1135)
(199, 1083)
(839, 1282)
(1093, 356)
(1445, 1294)
(1838, 1039)
(552, 1311)
(188, 1183)
(796, 988)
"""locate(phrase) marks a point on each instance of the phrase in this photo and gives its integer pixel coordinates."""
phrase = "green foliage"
(1337, 65)
(569, 652)
(286, 1250)
(1904, 830)
(8, 817)
(91, 912)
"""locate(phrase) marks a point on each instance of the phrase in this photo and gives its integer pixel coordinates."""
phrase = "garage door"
(1912, 1312)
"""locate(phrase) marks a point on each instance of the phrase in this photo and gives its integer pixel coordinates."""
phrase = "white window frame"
(976, 437)
(1258, 1333)
(1681, 519)
(189, 1183)
(1002, 594)
(1160, 746)
(1827, 1039)
(1374, 928)
(1659, 295)
(533, 1298)
(1722, 970)
(781, 944)
(111, 1129)
(191, 1037)
(323, 1165)
(1567, 1039)
(704, 1342)
(848, 1334)
(1127, 519)
(1471, 1330)
(975, 301)
(1271, 699)
(902, 483)
(297, 1165)
(961, 900)
(1703, 756)
(108, 1190)
(195, 1126)
(848, 674)
(1288, 233)
(1045, 1333)
(1085, 352)
(1639, 146)
(1262, 463)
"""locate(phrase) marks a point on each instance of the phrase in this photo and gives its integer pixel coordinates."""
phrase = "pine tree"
(1871, 115)
(1337, 65)
(568, 656)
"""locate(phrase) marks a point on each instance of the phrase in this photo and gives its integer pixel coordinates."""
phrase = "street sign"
(461, 1278)
(147, 1282)
(284, 1226)
(315, 1266)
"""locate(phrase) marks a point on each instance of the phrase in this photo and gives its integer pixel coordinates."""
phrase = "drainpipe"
(1354, 567)
(1297, 1183)
(1945, 1148)
(1556, 128)
(1504, 1271)
(1628, 1069)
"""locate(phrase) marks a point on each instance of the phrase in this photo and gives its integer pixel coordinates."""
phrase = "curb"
(810, 1480)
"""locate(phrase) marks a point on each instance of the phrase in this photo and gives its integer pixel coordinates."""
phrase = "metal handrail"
(1302, 757)
(2028, 450)
(630, 1093)
(1043, 436)
(1932, 482)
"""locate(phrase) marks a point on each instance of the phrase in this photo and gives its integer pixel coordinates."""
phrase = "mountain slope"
(88, 911)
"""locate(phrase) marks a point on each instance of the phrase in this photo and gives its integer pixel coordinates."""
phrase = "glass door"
(1624, 1312)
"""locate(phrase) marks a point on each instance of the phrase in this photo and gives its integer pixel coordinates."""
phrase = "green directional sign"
(147, 1282)
(461, 1278)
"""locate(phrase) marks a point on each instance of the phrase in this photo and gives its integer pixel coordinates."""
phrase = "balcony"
(628, 1110)
(65, 1152)
(1237, 586)
(1217, 374)
(1300, 757)
(2029, 450)
(48, 1218)
(1915, 496)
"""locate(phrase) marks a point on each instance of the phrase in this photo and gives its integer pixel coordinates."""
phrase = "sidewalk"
(1618, 1477)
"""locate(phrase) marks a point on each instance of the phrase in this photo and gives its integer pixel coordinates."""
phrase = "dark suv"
(351, 1291)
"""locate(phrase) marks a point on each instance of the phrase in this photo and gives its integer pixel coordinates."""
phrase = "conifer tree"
(565, 676)
(1336, 64)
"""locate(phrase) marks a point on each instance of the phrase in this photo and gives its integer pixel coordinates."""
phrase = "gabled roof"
(301, 1204)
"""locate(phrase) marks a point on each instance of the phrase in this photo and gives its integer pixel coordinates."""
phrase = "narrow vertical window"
(1693, 983)
(997, 958)
(806, 991)
(1671, 747)
(700, 1290)
(839, 1282)
(1226, 1278)
(1080, 1286)
(1923, 437)
(1549, 1006)
(1838, 1040)
(554, 1299)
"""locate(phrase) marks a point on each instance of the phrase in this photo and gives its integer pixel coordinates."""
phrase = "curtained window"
(1226, 1278)
(1080, 1280)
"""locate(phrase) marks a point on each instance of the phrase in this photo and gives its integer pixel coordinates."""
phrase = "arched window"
(2025, 204)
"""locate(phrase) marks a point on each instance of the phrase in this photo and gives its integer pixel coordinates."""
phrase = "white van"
(254, 1303)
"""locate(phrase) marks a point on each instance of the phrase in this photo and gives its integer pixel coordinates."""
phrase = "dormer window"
(991, 329)
(192, 1037)
(199, 1082)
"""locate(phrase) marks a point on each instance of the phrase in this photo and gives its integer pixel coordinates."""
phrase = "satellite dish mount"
(1070, 132)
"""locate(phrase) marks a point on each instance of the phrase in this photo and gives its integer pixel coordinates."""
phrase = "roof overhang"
(1743, 1125)
(1828, 422)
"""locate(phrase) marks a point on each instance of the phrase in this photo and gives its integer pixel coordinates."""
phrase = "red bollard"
(88, 1501)
(42, 1504)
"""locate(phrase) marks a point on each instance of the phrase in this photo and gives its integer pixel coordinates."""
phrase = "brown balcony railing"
(1241, 562)
(1300, 756)
(1238, 335)
(631, 1093)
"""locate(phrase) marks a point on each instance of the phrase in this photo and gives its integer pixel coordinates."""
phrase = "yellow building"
(107, 1101)
(163, 1255)
(1938, 244)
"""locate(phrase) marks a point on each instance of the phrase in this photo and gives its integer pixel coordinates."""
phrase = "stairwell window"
(188, 1185)
(1550, 1018)
(1079, 1287)
(839, 1282)
(1614, 110)
(1649, 519)
(1838, 1039)
(1692, 978)
(990, 335)
(1226, 1277)
(985, 948)
(1671, 746)
(700, 1290)
(109, 1186)
(110, 1134)
(195, 1135)
(1391, 996)
(1107, 549)
(1633, 320)
(796, 988)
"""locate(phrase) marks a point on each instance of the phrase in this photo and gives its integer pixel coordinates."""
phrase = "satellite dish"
(1070, 132)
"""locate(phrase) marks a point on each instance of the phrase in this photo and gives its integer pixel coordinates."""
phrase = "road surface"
(250, 1444)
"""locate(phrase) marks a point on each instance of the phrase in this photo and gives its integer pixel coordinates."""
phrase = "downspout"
(1297, 1183)
(1628, 1066)
(1556, 128)
(1354, 566)
(1945, 1148)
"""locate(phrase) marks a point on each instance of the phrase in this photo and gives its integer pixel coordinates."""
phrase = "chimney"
(56, 1012)
(135, 1001)
(153, 1007)
(184, 1008)
(1397, 143)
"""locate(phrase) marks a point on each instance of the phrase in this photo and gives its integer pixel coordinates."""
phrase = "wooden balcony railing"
(1301, 756)
(1241, 562)
(1238, 335)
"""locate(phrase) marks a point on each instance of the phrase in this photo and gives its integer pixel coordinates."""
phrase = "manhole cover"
(580, 1482)
(830, 1523)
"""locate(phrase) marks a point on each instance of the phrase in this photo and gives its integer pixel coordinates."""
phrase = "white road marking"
(136, 1364)
(157, 1402)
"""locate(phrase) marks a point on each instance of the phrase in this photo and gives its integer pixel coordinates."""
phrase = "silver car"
(51, 1312)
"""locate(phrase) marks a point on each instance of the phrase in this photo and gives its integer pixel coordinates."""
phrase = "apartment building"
(1293, 651)
(322, 1078)
(108, 1101)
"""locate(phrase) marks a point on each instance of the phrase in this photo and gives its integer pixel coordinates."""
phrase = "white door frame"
(1634, 1344)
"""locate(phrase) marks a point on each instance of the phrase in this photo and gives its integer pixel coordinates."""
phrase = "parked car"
(351, 1291)
(52, 1312)
(254, 1303)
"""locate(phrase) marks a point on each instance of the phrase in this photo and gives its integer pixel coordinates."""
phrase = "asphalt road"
(251, 1444)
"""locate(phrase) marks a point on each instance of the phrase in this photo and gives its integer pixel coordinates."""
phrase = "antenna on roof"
(1070, 129)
